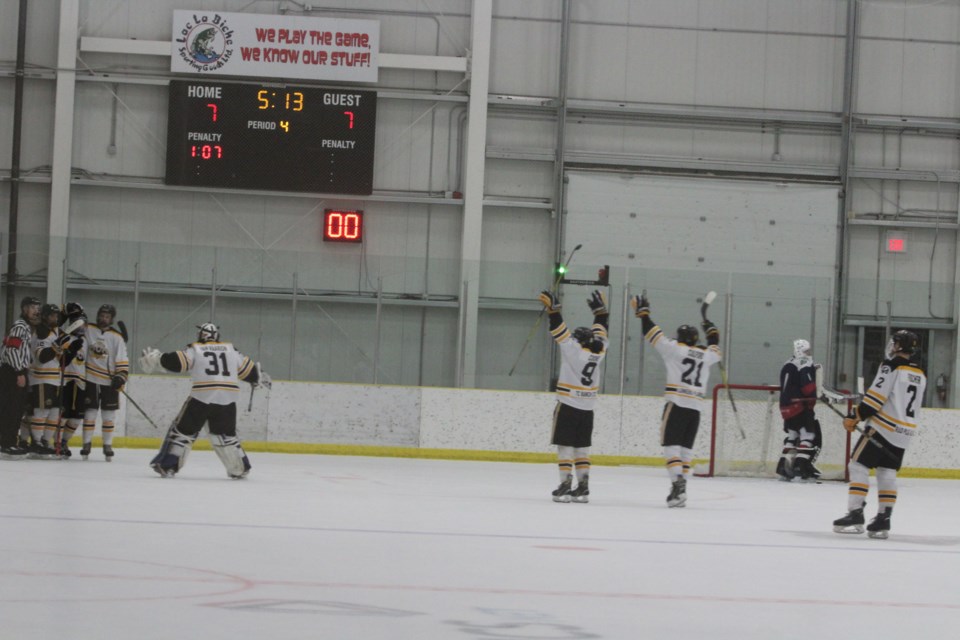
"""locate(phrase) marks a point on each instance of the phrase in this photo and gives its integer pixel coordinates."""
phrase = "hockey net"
(748, 441)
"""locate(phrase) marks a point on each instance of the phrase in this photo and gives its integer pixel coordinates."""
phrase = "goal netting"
(748, 441)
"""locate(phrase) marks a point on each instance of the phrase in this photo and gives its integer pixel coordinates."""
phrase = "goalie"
(798, 396)
(215, 368)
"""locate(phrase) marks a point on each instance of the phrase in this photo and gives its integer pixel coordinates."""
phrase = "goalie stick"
(824, 397)
(536, 325)
(707, 299)
(138, 407)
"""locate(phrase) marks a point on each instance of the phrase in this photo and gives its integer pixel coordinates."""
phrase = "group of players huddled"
(890, 408)
(57, 372)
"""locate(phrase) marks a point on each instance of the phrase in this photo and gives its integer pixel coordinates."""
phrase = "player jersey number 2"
(694, 367)
(218, 366)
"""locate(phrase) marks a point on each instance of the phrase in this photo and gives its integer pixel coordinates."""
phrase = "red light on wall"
(896, 242)
(342, 226)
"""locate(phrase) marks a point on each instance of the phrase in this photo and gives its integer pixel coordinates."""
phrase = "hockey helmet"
(30, 301)
(583, 335)
(50, 309)
(107, 308)
(688, 335)
(73, 310)
(905, 342)
(801, 348)
(208, 332)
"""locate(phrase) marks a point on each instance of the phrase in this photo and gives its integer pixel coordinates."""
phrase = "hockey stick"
(707, 299)
(138, 407)
(536, 324)
(825, 399)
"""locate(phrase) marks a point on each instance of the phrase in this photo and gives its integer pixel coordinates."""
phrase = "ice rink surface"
(380, 548)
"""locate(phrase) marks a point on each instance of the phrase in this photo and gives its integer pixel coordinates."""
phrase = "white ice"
(316, 546)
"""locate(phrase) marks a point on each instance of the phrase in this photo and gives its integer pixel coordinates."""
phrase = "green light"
(561, 269)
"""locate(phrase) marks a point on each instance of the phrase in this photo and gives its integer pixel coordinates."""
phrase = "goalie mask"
(801, 348)
(688, 335)
(208, 332)
(905, 342)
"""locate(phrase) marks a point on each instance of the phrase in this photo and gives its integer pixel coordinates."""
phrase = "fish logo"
(205, 42)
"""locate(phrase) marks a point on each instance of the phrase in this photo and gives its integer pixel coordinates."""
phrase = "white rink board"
(469, 419)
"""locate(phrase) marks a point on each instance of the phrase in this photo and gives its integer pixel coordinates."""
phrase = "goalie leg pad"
(232, 455)
(173, 452)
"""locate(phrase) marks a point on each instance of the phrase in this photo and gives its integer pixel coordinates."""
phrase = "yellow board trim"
(452, 454)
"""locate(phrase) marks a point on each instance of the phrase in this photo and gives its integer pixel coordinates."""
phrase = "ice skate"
(39, 451)
(785, 469)
(13, 452)
(63, 451)
(582, 492)
(163, 473)
(563, 492)
(879, 527)
(804, 469)
(850, 523)
(678, 493)
(108, 452)
(85, 451)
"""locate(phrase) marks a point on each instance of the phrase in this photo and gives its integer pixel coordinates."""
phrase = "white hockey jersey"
(76, 369)
(216, 369)
(895, 396)
(45, 372)
(688, 369)
(106, 355)
(579, 383)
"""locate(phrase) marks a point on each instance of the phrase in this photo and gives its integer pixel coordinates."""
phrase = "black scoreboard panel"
(279, 138)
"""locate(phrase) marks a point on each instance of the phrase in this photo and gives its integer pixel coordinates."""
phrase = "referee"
(14, 361)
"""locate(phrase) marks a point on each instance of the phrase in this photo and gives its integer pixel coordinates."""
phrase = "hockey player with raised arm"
(890, 408)
(44, 379)
(73, 361)
(582, 353)
(215, 369)
(688, 373)
(798, 396)
(107, 369)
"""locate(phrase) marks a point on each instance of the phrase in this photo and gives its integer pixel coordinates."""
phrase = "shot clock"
(271, 137)
(342, 226)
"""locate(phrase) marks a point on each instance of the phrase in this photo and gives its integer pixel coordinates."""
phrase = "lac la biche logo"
(205, 42)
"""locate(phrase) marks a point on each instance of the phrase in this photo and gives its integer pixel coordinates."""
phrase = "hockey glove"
(709, 328)
(850, 424)
(265, 381)
(550, 301)
(597, 302)
(62, 340)
(117, 382)
(150, 360)
(640, 305)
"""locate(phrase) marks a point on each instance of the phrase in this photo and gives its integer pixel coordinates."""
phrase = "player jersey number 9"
(586, 375)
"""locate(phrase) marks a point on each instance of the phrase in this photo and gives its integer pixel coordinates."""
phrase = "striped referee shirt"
(16, 346)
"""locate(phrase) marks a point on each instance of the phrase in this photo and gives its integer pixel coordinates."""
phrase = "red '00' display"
(342, 226)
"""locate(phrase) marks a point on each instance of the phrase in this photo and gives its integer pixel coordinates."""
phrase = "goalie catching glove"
(597, 302)
(150, 360)
(550, 301)
(640, 306)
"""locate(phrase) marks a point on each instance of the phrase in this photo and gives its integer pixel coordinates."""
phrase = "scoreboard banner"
(273, 46)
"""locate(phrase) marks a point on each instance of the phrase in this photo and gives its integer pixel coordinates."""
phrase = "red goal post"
(747, 439)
